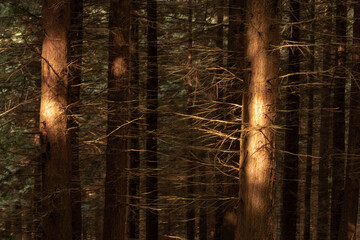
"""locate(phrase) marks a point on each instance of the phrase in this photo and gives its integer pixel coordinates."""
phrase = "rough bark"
(152, 219)
(55, 142)
(115, 212)
(75, 55)
(338, 156)
(291, 160)
(256, 207)
(352, 182)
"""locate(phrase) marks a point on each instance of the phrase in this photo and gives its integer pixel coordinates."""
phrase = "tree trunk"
(118, 115)
(233, 97)
(310, 134)
(236, 44)
(351, 196)
(291, 160)
(220, 191)
(236, 59)
(190, 211)
(255, 212)
(134, 155)
(37, 171)
(55, 142)
(75, 55)
(338, 156)
(323, 196)
(203, 220)
(152, 219)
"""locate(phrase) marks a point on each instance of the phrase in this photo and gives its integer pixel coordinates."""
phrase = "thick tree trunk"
(352, 184)
(75, 55)
(55, 141)
(152, 219)
(338, 156)
(323, 196)
(134, 181)
(291, 160)
(255, 212)
(118, 115)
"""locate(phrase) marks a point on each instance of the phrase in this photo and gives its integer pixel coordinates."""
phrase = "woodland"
(179, 119)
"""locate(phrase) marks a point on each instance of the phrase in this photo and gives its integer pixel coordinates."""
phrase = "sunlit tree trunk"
(323, 196)
(257, 163)
(152, 218)
(291, 160)
(118, 115)
(55, 141)
(75, 54)
(352, 183)
(338, 156)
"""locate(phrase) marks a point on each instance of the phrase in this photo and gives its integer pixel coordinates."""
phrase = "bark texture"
(255, 212)
(55, 141)
(118, 115)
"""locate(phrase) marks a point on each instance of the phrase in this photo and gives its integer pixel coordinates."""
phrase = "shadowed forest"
(179, 119)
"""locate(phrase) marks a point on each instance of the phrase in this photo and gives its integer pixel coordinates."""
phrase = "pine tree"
(152, 218)
(255, 211)
(55, 141)
(115, 212)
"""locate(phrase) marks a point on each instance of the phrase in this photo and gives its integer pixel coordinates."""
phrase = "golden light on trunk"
(55, 144)
(255, 212)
